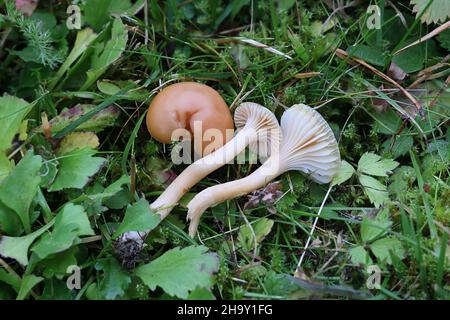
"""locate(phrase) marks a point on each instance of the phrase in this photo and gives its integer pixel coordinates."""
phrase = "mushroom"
(258, 128)
(308, 145)
(181, 106)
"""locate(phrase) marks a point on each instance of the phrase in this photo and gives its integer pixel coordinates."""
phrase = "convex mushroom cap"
(308, 145)
(181, 105)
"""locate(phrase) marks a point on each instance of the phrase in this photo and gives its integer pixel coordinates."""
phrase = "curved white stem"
(200, 169)
(211, 196)
(195, 172)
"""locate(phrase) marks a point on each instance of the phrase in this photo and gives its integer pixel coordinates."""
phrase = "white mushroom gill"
(308, 145)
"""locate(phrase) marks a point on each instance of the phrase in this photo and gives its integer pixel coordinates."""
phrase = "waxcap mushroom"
(258, 128)
(308, 145)
(181, 105)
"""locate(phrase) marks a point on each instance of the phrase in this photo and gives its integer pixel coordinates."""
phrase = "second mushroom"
(308, 145)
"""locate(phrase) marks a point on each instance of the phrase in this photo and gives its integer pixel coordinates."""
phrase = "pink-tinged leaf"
(26, 6)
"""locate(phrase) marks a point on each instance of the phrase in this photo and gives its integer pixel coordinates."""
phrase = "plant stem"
(222, 192)
(200, 169)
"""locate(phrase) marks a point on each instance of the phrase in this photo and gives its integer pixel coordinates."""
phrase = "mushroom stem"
(200, 169)
(211, 196)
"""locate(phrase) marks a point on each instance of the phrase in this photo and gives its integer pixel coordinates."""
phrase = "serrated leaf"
(374, 189)
(18, 189)
(359, 255)
(374, 228)
(345, 172)
(401, 181)
(370, 163)
(180, 271)
(17, 247)
(107, 53)
(383, 248)
(437, 11)
(12, 112)
(76, 168)
(138, 217)
(115, 281)
(28, 283)
(261, 227)
(70, 223)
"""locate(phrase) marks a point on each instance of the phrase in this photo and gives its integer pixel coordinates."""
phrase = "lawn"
(79, 168)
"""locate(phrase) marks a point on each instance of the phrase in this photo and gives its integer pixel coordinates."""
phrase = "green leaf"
(12, 279)
(28, 283)
(70, 223)
(345, 172)
(18, 189)
(57, 264)
(55, 289)
(201, 294)
(372, 55)
(76, 167)
(107, 87)
(398, 146)
(444, 39)
(261, 227)
(5, 166)
(115, 280)
(9, 221)
(412, 59)
(370, 163)
(135, 92)
(107, 53)
(99, 120)
(438, 11)
(93, 292)
(17, 247)
(84, 38)
(179, 271)
(374, 228)
(138, 217)
(374, 189)
(12, 112)
(98, 12)
(78, 140)
(383, 248)
(359, 255)
(387, 122)
(402, 180)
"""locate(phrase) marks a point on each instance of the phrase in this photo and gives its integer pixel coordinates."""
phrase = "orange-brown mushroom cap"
(180, 105)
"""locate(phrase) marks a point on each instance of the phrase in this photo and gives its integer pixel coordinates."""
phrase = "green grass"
(186, 41)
